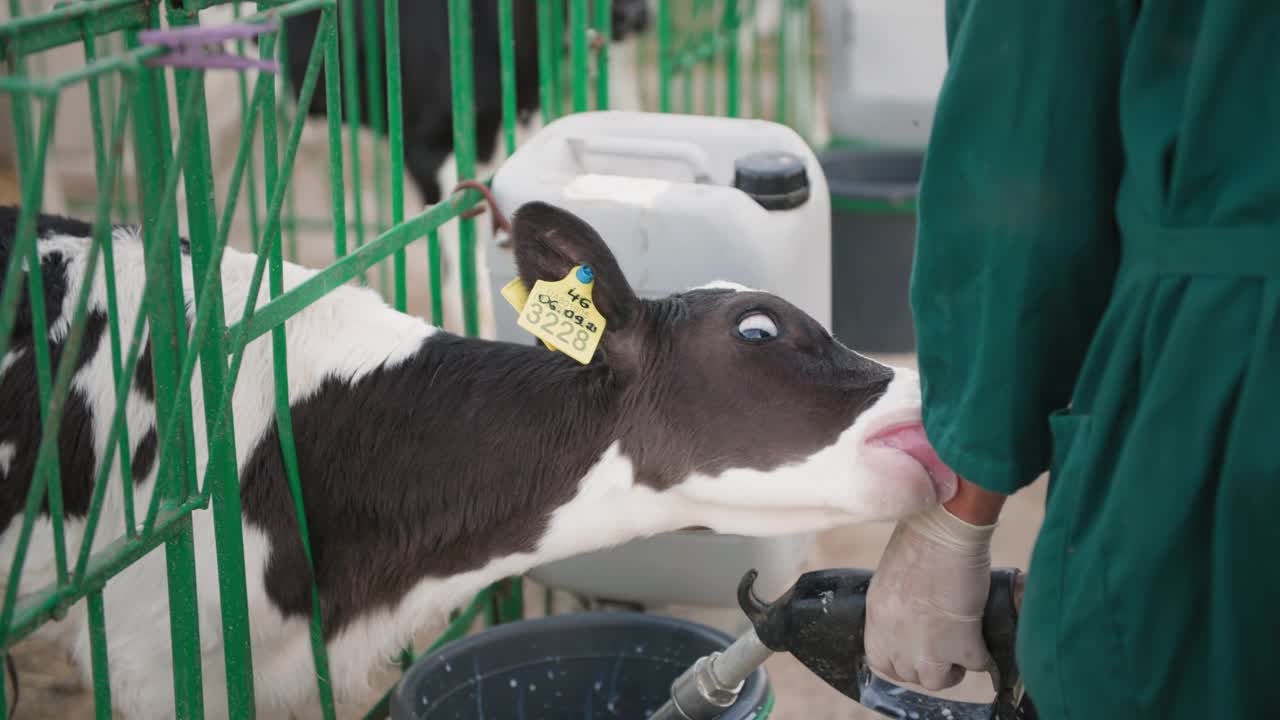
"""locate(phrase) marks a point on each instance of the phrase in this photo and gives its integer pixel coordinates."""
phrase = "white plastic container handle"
(692, 156)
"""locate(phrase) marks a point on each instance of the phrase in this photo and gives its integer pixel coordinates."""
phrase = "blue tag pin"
(585, 275)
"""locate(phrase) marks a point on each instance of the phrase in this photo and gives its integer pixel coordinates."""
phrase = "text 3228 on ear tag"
(562, 314)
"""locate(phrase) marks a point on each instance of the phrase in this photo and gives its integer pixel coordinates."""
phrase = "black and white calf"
(434, 464)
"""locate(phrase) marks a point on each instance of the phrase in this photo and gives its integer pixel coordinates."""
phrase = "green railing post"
(244, 109)
(757, 93)
(557, 42)
(507, 73)
(547, 51)
(604, 28)
(284, 418)
(395, 131)
(665, 64)
(578, 52)
(333, 110)
(780, 110)
(221, 469)
(377, 119)
(350, 81)
(464, 149)
(164, 302)
(98, 651)
(731, 26)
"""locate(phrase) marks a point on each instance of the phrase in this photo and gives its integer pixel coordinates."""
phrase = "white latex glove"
(926, 600)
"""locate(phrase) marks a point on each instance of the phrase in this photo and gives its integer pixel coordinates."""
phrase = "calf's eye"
(757, 327)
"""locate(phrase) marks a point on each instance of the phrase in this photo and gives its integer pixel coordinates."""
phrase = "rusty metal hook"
(500, 221)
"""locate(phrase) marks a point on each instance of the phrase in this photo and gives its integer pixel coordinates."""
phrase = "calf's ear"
(549, 242)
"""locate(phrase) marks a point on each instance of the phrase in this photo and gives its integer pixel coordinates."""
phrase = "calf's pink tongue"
(911, 439)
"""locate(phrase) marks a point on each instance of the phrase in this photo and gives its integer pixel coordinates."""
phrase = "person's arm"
(975, 505)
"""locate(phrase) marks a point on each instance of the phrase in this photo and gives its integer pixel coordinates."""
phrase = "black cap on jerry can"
(777, 180)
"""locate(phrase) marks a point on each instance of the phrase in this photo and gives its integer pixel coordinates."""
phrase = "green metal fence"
(705, 58)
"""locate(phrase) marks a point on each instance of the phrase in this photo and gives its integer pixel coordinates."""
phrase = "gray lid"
(777, 180)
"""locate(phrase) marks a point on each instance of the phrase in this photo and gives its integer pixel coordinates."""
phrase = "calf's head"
(740, 404)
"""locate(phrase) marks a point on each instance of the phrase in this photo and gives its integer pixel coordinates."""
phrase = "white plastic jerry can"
(682, 201)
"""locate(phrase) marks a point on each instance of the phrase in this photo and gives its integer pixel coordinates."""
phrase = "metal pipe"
(712, 684)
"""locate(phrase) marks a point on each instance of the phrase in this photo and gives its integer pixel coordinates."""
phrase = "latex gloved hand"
(926, 601)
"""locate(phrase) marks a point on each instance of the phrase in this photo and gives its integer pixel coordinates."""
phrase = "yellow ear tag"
(562, 312)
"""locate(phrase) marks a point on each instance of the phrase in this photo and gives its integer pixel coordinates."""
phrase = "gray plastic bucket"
(615, 665)
(873, 233)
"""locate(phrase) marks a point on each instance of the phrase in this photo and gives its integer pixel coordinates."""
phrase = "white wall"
(887, 60)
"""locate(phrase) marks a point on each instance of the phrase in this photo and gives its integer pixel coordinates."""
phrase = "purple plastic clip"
(201, 47)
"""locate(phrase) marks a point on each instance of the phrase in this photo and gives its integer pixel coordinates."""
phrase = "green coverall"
(1097, 293)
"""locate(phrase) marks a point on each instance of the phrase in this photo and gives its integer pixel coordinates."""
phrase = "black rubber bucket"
(615, 665)
(873, 239)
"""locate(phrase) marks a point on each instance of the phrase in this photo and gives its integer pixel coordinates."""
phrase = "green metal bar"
(351, 86)
(464, 151)
(377, 111)
(24, 244)
(507, 73)
(21, 112)
(511, 599)
(730, 28)
(546, 60)
(686, 86)
(284, 420)
(557, 42)
(123, 382)
(131, 61)
(780, 110)
(243, 82)
(221, 464)
(604, 27)
(435, 277)
(51, 396)
(289, 222)
(98, 656)
(664, 56)
(48, 462)
(707, 54)
(578, 52)
(164, 301)
(106, 167)
(33, 184)
(111, 99)
(757, 94)
(395, 125)
(64, 25)
(183, 484)
(123, 376)
(373, 72)
(333, 109)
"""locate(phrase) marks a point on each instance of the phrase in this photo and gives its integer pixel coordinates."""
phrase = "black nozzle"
(820, 620)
